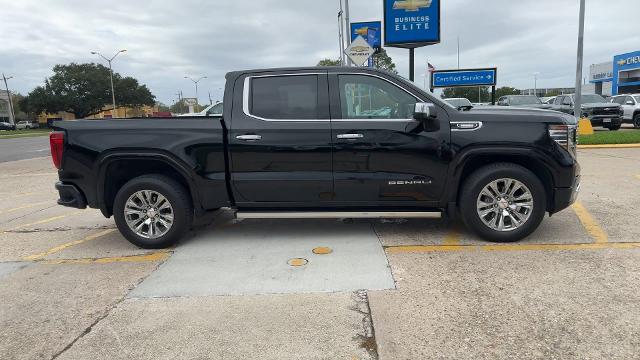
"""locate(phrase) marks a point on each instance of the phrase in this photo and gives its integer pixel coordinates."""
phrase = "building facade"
(621, 76)
(5, 110)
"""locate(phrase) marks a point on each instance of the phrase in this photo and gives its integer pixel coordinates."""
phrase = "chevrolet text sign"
(468, 77)
(411, 23)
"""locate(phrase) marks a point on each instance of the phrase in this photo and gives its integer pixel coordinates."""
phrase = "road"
(23, 148)
(71, 287)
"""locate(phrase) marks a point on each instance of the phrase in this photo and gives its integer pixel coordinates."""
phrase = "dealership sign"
(411, 23)
(465, 77)
(359, 51)
(371, 31)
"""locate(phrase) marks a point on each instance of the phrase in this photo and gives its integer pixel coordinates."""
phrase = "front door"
(280, 139)
(381, 155)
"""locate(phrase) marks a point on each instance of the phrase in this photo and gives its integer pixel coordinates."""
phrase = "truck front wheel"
(153, 211)
(502, 202)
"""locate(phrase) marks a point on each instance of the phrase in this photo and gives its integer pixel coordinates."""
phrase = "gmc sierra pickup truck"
(322, 143)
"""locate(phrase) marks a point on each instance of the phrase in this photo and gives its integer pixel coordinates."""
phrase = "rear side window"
(285, 97)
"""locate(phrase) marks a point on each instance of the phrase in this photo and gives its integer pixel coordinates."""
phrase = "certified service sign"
(411, 23)
(359, 51)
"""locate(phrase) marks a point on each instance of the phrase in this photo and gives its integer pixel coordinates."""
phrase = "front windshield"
(525, 100)
(589, 99)
(459, 102)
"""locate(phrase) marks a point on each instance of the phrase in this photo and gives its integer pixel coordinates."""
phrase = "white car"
(211, 110)
(630, 104)
(21, 125)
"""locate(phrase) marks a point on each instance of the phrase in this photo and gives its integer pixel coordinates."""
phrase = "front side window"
(368, 97)
(289, 97)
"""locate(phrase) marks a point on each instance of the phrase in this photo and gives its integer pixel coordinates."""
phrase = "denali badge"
(410, 182)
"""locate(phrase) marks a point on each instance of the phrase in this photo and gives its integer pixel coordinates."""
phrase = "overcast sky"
(167, 40)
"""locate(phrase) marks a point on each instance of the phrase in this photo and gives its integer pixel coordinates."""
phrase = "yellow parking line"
(67, 245)
(638, 176)
(589, 223)
(44, 221)
(452, 238)
(609, 146)
(156, 256)
(509, 247)
(26, 207)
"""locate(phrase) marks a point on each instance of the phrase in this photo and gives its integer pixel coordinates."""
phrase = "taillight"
(56, 140)
(564, 135)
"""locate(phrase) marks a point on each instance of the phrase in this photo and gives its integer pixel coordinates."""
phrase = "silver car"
(630, 104)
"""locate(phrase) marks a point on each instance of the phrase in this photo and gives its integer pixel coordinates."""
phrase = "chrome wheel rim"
(505, 204)
(148, 214)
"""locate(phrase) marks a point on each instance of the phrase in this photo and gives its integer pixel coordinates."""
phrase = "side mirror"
(427, 114)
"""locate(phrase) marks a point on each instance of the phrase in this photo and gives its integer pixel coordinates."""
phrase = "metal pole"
(411, 63)
(113, 93)
(458, 52)
(341, 34)
(13, 114)
(347, 26)
(578, 98)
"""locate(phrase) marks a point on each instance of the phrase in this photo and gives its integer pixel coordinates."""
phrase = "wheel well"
(119, 172)
(539, 170)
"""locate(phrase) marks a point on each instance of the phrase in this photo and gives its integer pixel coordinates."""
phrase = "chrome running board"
(338, 214)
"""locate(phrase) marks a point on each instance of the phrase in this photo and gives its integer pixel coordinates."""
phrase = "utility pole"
(535, 83)
(578, 98)
(458, 52)
(341, 34)
(347, 26)
(13, 114)
(113, 93)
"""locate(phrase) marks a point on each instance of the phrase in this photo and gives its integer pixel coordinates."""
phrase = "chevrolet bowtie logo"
(411, 5)
(622, 62)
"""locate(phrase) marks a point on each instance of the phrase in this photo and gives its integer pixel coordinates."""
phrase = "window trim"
(246, 92)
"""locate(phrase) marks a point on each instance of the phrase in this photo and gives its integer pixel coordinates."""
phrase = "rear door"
(381, 155)
(280, 139)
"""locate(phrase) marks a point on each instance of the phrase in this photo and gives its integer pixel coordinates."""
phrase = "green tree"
(84, 90)
(328, 62)
(381, 60)
(506, 90)
(470, 93)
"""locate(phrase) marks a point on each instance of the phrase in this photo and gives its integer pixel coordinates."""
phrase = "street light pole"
(535, 83)
(347, 26)
(13, 114)
(578, 98)
(196, 82)
(109, 60)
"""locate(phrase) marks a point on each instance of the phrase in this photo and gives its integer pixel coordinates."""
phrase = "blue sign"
(411, 23)
(622, 77)
(370, 31)
(469, 77)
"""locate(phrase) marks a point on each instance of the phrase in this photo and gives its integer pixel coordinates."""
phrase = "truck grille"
(606, 111)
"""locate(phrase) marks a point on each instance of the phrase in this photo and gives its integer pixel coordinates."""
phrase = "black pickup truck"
(322, 143)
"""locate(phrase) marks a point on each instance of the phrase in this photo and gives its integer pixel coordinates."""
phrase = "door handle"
(249, 137)
(350, 136)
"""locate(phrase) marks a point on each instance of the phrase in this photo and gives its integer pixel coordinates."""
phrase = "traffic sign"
(465, 77)
(359, 51)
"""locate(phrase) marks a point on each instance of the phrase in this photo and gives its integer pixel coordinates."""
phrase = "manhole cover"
(297, 262)
(322, 250)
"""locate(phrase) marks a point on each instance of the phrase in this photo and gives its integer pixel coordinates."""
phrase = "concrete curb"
(609, 146)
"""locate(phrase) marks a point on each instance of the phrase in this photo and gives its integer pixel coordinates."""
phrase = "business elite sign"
(411, 23)
(467, 77)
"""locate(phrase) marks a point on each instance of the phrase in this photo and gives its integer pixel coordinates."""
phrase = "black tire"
(475, 183)
(176, 195)
(636, 121)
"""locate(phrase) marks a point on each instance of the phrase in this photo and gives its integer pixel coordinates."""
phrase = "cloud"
(167, 40)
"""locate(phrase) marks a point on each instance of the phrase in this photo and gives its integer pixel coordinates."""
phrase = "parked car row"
(20, 125)
(608, 114)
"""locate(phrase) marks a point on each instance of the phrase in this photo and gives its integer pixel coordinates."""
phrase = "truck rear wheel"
(502, 202)
(153, 211)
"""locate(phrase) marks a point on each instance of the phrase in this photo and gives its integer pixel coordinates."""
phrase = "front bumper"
(564, 197)
(70, 196)
(600, 120)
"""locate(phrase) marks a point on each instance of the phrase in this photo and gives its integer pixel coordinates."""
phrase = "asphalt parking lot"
(72, 288)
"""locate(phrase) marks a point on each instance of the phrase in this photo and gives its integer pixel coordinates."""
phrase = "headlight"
(565, 136)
